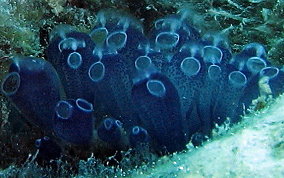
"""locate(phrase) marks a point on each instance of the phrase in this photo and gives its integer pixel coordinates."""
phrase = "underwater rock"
(164, 88)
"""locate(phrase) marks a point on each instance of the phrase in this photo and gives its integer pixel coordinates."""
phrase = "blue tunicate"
(270, 77)
(250, 93)
(55, 37)
(276, 78)
(157, 103)
(96, 71)
(214, 72)
(74, 60)
(232, 91)
(186, 73)
(253, 50)
(142, 63)
(253, 69)
(98, 36)
(116, 41)
(190, 66)
(75, 56)
(166, 90)
(185, 85)
(170, 34)
(166, 40)
(215, 46)
(110, 131)
(138, 136)
(255, 64)
(112, 86)
(270, 72)
(123, 34)
(73, 121)
(212, 54)
(47, 149)
(175, 29)
(207, 100)
(34, 87)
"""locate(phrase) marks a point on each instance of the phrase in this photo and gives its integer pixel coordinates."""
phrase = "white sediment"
(253, 148)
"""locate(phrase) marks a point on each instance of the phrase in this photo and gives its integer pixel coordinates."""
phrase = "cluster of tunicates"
(120, 86)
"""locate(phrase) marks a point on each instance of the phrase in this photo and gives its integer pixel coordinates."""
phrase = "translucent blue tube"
(157, 104)
(228, 101)
(73, 121)
(112, 88)
(251, 50)
(173, 31)
(207, 100)
(185, 71)
(277, 84)
(138, 136)
(72, 55)
(121, 33)
(48, 149)
(34, 87)
(110, 131)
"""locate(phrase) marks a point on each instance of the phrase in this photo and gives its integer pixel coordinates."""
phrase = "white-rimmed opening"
(190, 66)
(116, 40)
(46, 138)
(136, 130)
(38, 143)
(74, 60)
(159, 24)
(108, 123)
(214, 72)
(142, 62)
(96, 71)
(156, 88)
(237, 79)
(270, 72)
(10, 83)
(166, 40)
(255, 64)
(212, 54)
(99, 35)
(63, 110)
(84, 105)
(118, 123)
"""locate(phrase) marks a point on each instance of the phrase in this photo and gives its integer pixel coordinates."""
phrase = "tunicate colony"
(119, 86)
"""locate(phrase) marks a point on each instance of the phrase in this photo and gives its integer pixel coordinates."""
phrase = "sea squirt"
(116, 84)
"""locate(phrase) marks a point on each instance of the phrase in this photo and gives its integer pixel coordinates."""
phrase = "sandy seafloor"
(254, 148)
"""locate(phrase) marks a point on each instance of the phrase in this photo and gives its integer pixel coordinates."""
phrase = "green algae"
(22, 21)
